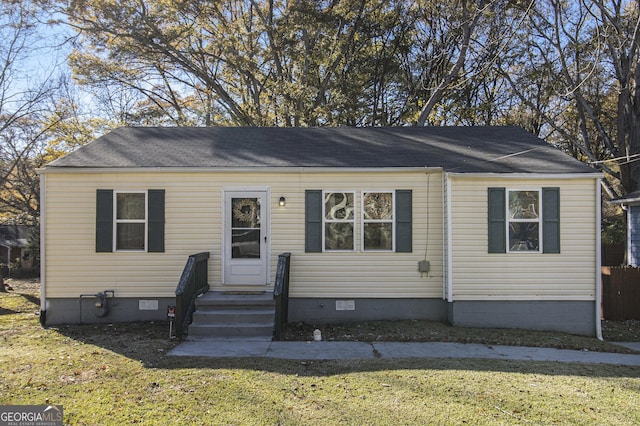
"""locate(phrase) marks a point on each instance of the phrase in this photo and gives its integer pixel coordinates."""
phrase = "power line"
(628, 159)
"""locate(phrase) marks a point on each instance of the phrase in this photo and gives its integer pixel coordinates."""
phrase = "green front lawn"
(120, 374)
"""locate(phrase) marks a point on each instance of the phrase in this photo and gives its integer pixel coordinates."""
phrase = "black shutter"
(497, 237)
(155, 237)
(313, 221)
(551, 220)
(404, 221)
(104, 220)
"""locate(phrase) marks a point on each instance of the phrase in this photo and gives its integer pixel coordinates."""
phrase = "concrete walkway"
(232, 348)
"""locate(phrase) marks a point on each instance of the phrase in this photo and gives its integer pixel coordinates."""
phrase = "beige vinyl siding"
(478, 275)
(193, 203)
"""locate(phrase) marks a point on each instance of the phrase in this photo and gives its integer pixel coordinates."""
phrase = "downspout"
(43, 240)
(598, 260)
(443, 187)
(448, 239)
(627, 254)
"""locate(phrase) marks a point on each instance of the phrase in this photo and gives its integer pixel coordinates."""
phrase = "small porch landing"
(229, 315)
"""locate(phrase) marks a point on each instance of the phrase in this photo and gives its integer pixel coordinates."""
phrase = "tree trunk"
(630, 169)
(468, 27)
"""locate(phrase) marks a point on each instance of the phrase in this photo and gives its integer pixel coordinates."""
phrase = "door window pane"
(245, 212)
(245, 244)
(245, 228)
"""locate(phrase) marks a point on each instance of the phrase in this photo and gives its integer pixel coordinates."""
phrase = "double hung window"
(524, 220)
(377, 221)
(339, 220)
(131, 221)
(385, 222)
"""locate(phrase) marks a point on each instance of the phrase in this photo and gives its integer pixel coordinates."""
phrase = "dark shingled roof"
(14, 235)
(456, 149)
(630, 198)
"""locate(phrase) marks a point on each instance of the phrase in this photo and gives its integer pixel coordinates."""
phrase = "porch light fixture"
(282, 202)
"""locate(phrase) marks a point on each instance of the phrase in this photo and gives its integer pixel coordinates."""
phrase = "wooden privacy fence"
(613, 254)
(620, 293)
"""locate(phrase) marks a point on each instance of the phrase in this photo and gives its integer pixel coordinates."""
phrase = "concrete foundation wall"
(326, 310)
(68, 311)
(575, 317)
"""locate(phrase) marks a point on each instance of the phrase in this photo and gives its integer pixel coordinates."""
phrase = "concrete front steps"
(233, 316)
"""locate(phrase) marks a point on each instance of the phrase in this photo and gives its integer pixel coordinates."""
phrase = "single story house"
(631, 203)
(478, 226)
(14, 244)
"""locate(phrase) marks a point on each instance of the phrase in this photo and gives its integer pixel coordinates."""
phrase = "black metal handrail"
(281, 294)
(193, 282)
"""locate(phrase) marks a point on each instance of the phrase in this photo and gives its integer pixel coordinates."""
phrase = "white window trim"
(116, 221)
(352, 221)
(392, 221)
(539, 220)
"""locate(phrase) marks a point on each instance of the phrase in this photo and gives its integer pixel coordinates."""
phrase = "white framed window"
(338, 220)
(378, 213)
(524, 220)
(130, 224)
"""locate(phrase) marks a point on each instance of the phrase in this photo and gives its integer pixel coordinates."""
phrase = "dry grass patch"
(433, 331)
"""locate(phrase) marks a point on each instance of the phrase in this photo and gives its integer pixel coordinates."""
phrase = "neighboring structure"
(14, 242)
(480, 226)
(631, 203)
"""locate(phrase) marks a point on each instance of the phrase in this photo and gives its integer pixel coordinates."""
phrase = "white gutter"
(526, 175)
(43, 236)
(269, 169)
(276, 169)
(598, 306)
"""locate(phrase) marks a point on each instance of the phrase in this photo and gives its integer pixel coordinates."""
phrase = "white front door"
(246, 219)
